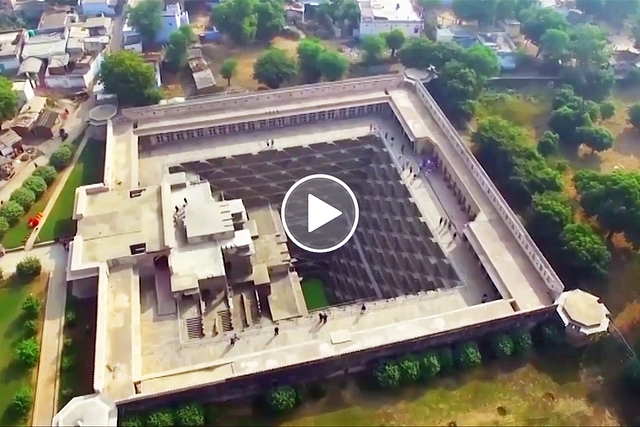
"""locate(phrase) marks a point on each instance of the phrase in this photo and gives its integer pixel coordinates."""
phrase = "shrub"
(387, 374)
(446, 359)
(22, 402)
(28, 352)
(29, 267)
(12, 212)
(70, 317)
(522, 342)
(24, 197)
(501, 345)
(409, 369)
(35, 184)
(48, 173)
(66, 362)
(552, 334)
(31, 327)
(607, 110)
(31, 307)
(282, 399)
(467, 355)
(4, 226)
(132, 421)
(316, 389)
(190, 415)
(162, 418)
(430, 365)
(61, 158)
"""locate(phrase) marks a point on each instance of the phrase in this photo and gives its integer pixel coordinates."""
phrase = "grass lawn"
(12, 374)
(546, 390)
(79, 335)
(313, 291)
(88, 170)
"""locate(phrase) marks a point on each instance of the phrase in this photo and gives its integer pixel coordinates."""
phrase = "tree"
(246, 20)
(61, 158)
(133, 81)
(550, 214)
(522, 341)
(24, 197)
(31, 307)
(28, 352)
(274, 68)
(589, 45)
(190, 415)
(22, 402)
(538, 20)
(597, 138)
(228, 69)
(179, 42)
(502, 345)
(8, 99)
(552, 334)
(634, 115)
(146, 18)
(387, 374)
(548, 143)
(36, 185)
(483, 11)
(333, 65)
(4, 227)
(29, 267)
(446, 359)
(282, 399)
(409, 369)
(309, 51)
(481, 59)
(467, 355)
(12, 212)
(586, 253)
(607, 110)
(456, 89)
(554, 45)
(162, 418)
(592, 82)
(394, 39)
(373, 46)
(614, 199)
(31, 327)
(48, 173)
(430, 365)
(590, 7)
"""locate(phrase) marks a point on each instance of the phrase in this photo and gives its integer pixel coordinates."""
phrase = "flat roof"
(388, 10)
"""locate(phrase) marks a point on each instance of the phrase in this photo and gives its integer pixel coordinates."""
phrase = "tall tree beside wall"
(126, 75)
(146, 18)
(8, 99)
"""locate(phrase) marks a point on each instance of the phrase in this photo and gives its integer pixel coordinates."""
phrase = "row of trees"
(21, 200)
(388, 373)
(531, 186)
(247, 20)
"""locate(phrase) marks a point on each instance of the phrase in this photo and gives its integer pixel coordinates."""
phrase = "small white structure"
(381, 16)
(89, 410)
(583, 315)
(25, 92)
(511, 27)
(98, 118)
(444, 35)
(10, 49)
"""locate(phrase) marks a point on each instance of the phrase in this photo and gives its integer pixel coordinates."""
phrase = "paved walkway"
(54, 197)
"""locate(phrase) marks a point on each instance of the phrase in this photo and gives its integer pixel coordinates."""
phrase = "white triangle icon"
(320, 213)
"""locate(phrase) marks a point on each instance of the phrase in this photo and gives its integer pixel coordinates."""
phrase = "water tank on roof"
(31, 33)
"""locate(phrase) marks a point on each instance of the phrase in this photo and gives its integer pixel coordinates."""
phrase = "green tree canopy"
(246, 20)
(274, 68)
(333, 65)
(24, 197)
(538, 20)
(481, 59)
(8, 99)
(548, 143)
(634, 115)
(550, 213)
(394, 39)
(133, 81)
(484, 11)
(228, 69)
(179, 42)
(373, 47)
(309, 51)
(586, 253)
(146, 18)
(555, 45)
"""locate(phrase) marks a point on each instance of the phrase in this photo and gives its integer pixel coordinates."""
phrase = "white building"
(25, 92)
(381, 16)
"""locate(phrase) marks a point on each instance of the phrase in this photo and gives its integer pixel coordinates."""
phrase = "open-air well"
(184, 246)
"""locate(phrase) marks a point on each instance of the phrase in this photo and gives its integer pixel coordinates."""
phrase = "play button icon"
(320, 213)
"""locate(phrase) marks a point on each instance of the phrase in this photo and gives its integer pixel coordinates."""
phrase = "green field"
(88, 170)
(12, 374)
(313, 291)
